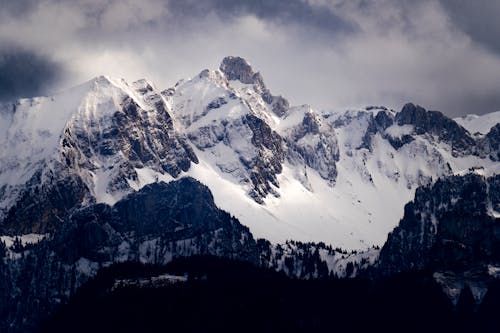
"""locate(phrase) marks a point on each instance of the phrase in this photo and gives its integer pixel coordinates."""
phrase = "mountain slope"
(84, 146)
(153, 225)
(287, 172)
(451, 228)
(478, 124)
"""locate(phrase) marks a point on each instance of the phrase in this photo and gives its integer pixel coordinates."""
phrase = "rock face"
(86, 170)
(268, 162)
(492, 143)
(105, 139)
(115, 130)
(42, 206)
(435, 123)
(313, 143)
(237, 68)
(154, 225)
(451, 228)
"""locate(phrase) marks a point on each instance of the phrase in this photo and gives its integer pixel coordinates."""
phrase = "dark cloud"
(478, 103)
(17, 7)
(296, 12)
(442, 54)
(478, 18)
(25, 73)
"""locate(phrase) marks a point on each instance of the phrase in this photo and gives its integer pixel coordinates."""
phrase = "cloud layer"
(442, 54)
(25, 73)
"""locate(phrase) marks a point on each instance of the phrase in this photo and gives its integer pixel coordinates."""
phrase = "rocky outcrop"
(451, 228)
(491, 143)
(154, 225)
(437, 124)
(111, 135)
(268, 162)
(237, 68)
(449, 225)
(43, 205)
(313, 143)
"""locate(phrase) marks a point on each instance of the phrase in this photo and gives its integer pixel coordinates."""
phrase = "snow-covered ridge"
(479, 124)
(340, 177)
(32, 128)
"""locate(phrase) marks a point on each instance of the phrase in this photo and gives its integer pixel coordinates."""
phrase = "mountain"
(451, 228)
(478, 125)
(153, 225)
(111, 172)
(286, 172)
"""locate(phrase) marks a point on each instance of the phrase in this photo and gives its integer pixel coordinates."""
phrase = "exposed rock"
(268, 162)
(100, 146)
(237, 68)
(492, 143)
(447, 226)
(437, 124)
(154, 225)
(43, 206)
(314, 144)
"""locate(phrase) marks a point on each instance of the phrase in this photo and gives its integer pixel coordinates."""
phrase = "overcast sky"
(441, 54)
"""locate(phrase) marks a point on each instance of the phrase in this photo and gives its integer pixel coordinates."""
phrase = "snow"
(25, 239)
(482, 124)
(86, 267)
(337, 264)
(494, 271)
(349, 215)
(146, 176)
(359, 211)
(292, 118)
(152, 282)
(353, 214)
(399, 131)
(31, 133)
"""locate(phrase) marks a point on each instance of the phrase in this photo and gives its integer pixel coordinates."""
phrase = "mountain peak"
(237, 68)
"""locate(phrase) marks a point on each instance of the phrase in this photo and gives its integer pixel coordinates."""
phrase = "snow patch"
(25, 239)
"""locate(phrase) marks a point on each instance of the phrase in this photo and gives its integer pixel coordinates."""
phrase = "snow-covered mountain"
(286, 172)
(110, 172)
(478, 125)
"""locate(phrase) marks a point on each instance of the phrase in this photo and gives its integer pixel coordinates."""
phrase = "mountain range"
(110, 172)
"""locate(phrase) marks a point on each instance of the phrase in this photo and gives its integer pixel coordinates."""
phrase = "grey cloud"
(478, 18)
(297, 12)
(329, 53)
(18, 7)
(25, 73)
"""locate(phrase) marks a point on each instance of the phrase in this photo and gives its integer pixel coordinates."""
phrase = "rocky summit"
(111, 172)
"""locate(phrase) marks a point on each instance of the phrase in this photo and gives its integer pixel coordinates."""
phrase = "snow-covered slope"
(341, 177)
(81, 146)
(479, 124)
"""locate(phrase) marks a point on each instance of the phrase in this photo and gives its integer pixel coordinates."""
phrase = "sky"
(331, 54)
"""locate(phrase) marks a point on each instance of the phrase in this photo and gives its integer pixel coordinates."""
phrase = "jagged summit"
(287, 173)
(237, 68)
(107, 138)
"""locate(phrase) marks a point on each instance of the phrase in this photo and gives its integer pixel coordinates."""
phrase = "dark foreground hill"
(221, 295)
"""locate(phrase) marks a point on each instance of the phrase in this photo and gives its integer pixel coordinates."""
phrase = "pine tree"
(17, 245)
(3, 249)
